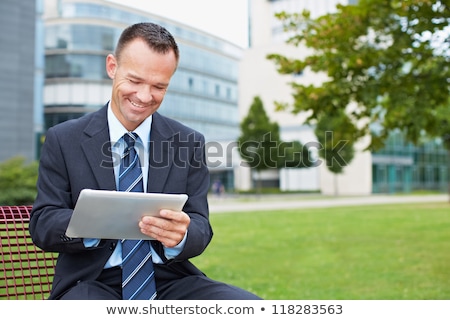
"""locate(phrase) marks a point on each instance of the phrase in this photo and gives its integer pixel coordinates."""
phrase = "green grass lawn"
(381, 252)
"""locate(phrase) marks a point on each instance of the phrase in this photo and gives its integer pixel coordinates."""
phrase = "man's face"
(140, 80)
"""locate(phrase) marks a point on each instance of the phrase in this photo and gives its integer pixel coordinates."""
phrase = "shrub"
(18, 181)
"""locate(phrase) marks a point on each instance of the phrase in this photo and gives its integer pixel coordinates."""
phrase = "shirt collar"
(117, 130)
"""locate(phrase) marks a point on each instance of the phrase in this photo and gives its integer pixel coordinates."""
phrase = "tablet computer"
(106, 214)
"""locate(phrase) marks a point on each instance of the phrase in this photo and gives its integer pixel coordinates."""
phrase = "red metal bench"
(26, 272)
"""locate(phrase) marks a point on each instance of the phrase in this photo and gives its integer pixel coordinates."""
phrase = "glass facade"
(202, 94)
(81, 37)
(110, 13)
(402, 167)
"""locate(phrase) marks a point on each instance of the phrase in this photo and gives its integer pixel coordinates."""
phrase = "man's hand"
(169, 228)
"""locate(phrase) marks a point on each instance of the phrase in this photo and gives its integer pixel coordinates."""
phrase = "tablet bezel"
(106, 214)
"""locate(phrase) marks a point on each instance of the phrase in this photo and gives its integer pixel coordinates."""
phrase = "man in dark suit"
(85, 153)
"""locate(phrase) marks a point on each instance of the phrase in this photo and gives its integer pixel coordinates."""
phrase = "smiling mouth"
(136, 105)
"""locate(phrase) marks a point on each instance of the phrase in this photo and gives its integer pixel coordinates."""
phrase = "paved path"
(276, 202)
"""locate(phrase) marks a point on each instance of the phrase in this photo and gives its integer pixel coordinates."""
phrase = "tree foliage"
(336, 136)
(260, 144)
(386, 61)
(259, 138)
(18, 181)
(292, 154)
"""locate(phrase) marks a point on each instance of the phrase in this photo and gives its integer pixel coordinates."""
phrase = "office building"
(21, 78)
(203, 92)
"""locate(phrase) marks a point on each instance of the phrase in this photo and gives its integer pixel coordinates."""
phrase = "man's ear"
(111, 65)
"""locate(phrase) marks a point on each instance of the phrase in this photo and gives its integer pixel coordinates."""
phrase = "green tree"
(260, 145)
(259, 138)
(335, 133)
(387, 59)
(18, 181)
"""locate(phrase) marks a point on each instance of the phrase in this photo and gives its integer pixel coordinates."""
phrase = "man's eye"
(133, 81)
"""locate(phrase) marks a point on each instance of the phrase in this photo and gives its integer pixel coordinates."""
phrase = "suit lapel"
(161, 154)
(97, 149)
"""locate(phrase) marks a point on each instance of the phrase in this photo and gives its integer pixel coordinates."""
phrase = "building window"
(217, 90)
(75, 66)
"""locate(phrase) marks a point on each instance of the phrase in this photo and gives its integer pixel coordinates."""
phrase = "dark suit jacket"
(77, 155)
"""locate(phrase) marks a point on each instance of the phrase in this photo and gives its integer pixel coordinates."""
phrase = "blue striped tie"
(138, 281)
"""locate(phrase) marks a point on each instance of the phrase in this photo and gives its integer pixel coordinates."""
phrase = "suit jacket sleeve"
(72, 158)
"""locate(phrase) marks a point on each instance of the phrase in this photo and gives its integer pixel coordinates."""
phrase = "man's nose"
(144, 94)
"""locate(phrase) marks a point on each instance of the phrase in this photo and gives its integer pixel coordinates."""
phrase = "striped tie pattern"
(138, 281)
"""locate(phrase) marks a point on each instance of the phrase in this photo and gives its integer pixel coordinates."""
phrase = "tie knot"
(130, 139)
